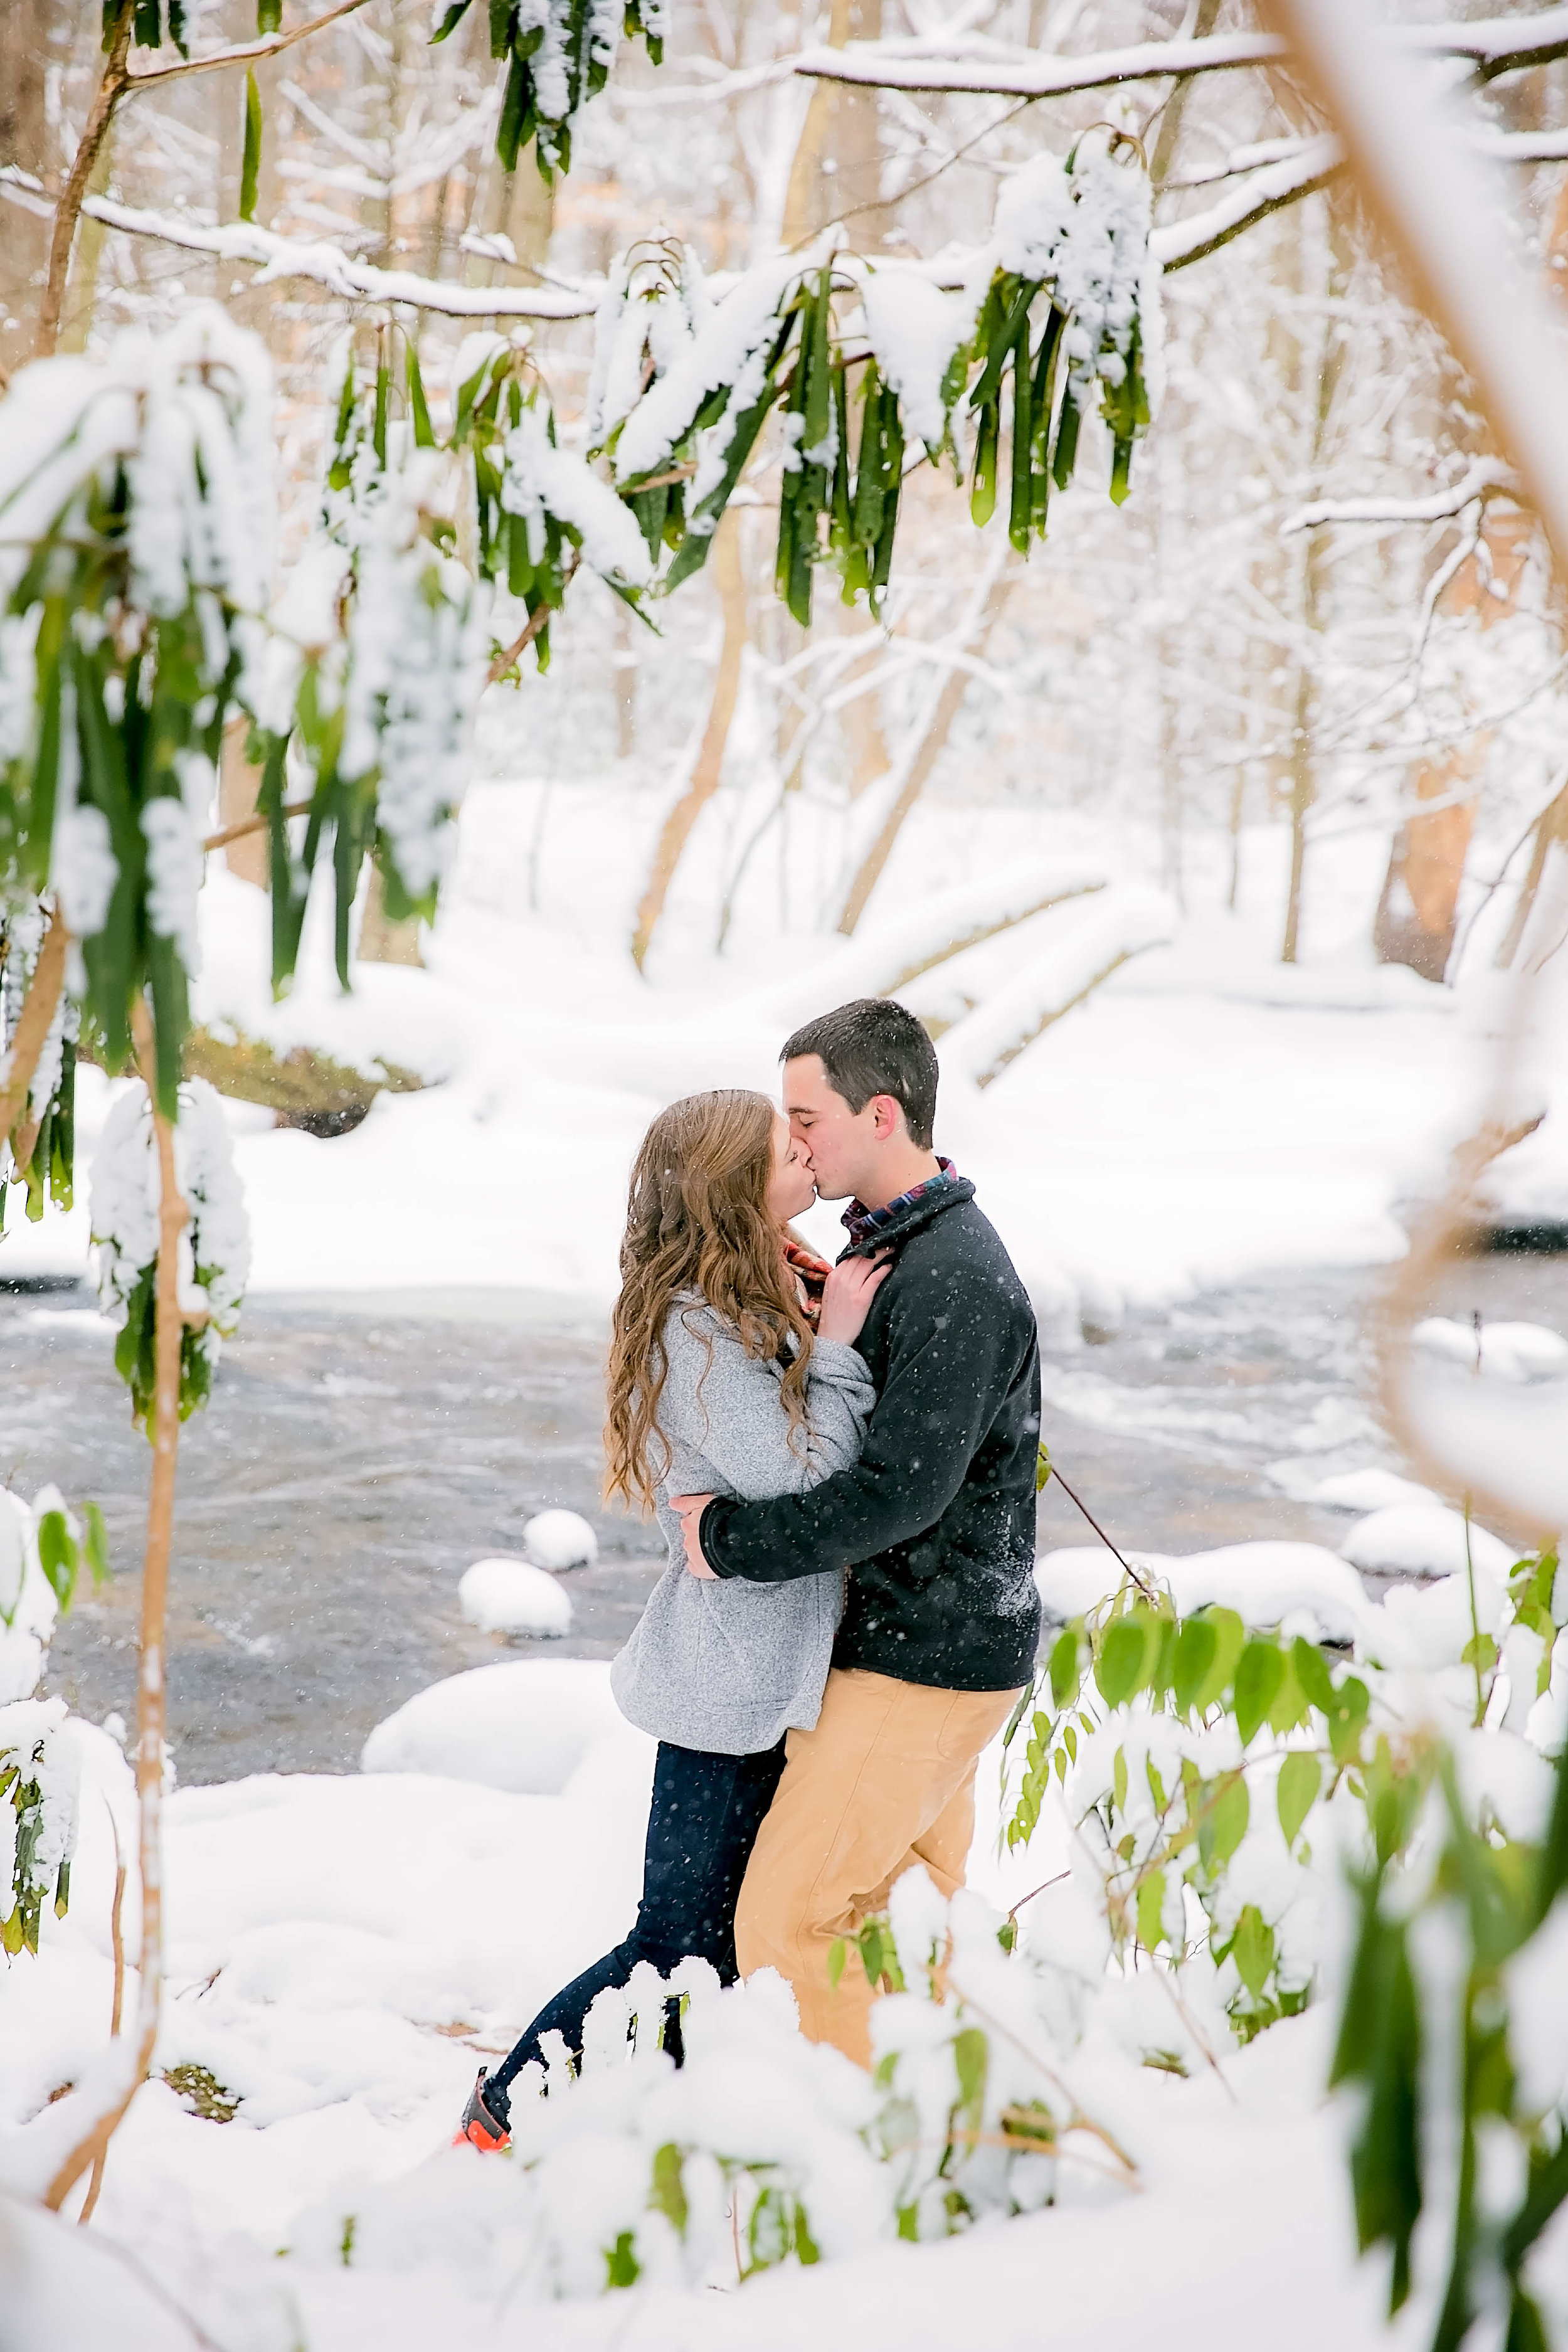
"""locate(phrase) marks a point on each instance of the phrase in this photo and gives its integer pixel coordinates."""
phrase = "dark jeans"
(701, 1827)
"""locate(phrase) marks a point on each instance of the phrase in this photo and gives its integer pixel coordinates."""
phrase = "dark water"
(358, 1455)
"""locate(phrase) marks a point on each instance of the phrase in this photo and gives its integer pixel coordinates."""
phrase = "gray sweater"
(731, 1666)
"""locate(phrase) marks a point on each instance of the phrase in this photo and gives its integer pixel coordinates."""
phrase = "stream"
(360, 1452)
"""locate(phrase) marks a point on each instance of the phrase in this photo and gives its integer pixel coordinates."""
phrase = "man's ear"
(888, 1115)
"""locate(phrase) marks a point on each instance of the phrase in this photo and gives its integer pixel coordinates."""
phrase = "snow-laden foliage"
(559, 54)
(1197, 1758)
(683, 383)
(762, 2149)
(41, 1549)
(540, 481)
(415, 666)
(215, 1247)
(655, 304)
(136, 537)
(39, 1773)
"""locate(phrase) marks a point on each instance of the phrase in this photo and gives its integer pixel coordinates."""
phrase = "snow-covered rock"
(559, 1539)
(1369, 1490)
(1266, 1583)
(524, 1726)
(1498, 1351)
(513, 1596)
(1424, 1540)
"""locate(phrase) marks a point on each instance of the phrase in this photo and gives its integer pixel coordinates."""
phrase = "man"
(935, 1523)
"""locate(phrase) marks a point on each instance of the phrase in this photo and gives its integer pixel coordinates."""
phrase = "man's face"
(842, 1142)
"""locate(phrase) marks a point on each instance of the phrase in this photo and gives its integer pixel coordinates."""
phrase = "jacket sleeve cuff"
(709, 1531)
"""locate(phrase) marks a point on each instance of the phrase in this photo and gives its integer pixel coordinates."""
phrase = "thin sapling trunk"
(151, 1707)
(110, 89)
(39, 1009)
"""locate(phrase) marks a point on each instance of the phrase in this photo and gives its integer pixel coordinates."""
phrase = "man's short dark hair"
(875, 1047)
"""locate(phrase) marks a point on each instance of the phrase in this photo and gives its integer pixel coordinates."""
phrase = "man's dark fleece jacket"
(936, 1520)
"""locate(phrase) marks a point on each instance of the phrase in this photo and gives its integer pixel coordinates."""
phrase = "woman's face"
(792, 1186)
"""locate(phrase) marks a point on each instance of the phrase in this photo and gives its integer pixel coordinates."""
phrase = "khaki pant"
(884, 1781)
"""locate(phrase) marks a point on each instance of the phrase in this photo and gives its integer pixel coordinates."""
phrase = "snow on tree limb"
(1177, 243)
(1120, 925)
(246, 53)
(1495, 46)
(887, 65)
(1486, 474)
(887, 957)
(285, 256)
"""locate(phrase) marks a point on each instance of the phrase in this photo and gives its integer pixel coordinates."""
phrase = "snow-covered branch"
(1261, 193)
(1519, 146)
(285, 256)
(1487, 474)
(246, 53)
(1496, 46)
(1254, 157)
(888, 66)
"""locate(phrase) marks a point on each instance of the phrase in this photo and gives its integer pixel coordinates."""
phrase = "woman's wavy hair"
(698, 1221)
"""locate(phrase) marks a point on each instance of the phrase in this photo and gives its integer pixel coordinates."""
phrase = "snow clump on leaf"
(215, 1247)
(416, 667)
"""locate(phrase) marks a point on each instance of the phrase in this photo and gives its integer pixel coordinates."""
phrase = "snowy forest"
(543, 544)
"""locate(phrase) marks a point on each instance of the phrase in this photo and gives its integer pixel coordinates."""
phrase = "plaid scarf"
(860, 1222)
(810, 1271)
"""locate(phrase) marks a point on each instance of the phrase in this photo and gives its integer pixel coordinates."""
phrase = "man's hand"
(689, 1508)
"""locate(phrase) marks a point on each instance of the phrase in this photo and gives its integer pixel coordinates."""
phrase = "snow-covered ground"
(345, 1951)
(1207, 1114)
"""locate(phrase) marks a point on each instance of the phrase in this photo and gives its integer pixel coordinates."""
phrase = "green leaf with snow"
(250, 164)
(1300, 1778)
(1226, 1809)
(1252, 1948)
(59, 1555)
(1198, 1646)
(1260, 1672)
(1066, 1671)
(1119, 1665)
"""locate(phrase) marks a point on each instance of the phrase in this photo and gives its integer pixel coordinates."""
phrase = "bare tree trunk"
(837, 171)
(117, 2003)
(1303, 792)
(25, 142)
(239, 780)
(729, 578)
(32, 1027)
(81, 284)
(95, 130)
(1550, 826)
(1238, 810)
(151, 1711)
(923, 752)
(624, 665)
(1171, 113)
(1172, 810)
(861, 719)
(1417, 913)
(381, 941)
(1303, 761)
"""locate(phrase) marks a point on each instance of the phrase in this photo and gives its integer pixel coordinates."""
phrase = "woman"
(726, 1376)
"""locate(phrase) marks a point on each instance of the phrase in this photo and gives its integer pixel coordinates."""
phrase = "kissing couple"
(843, 1461)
